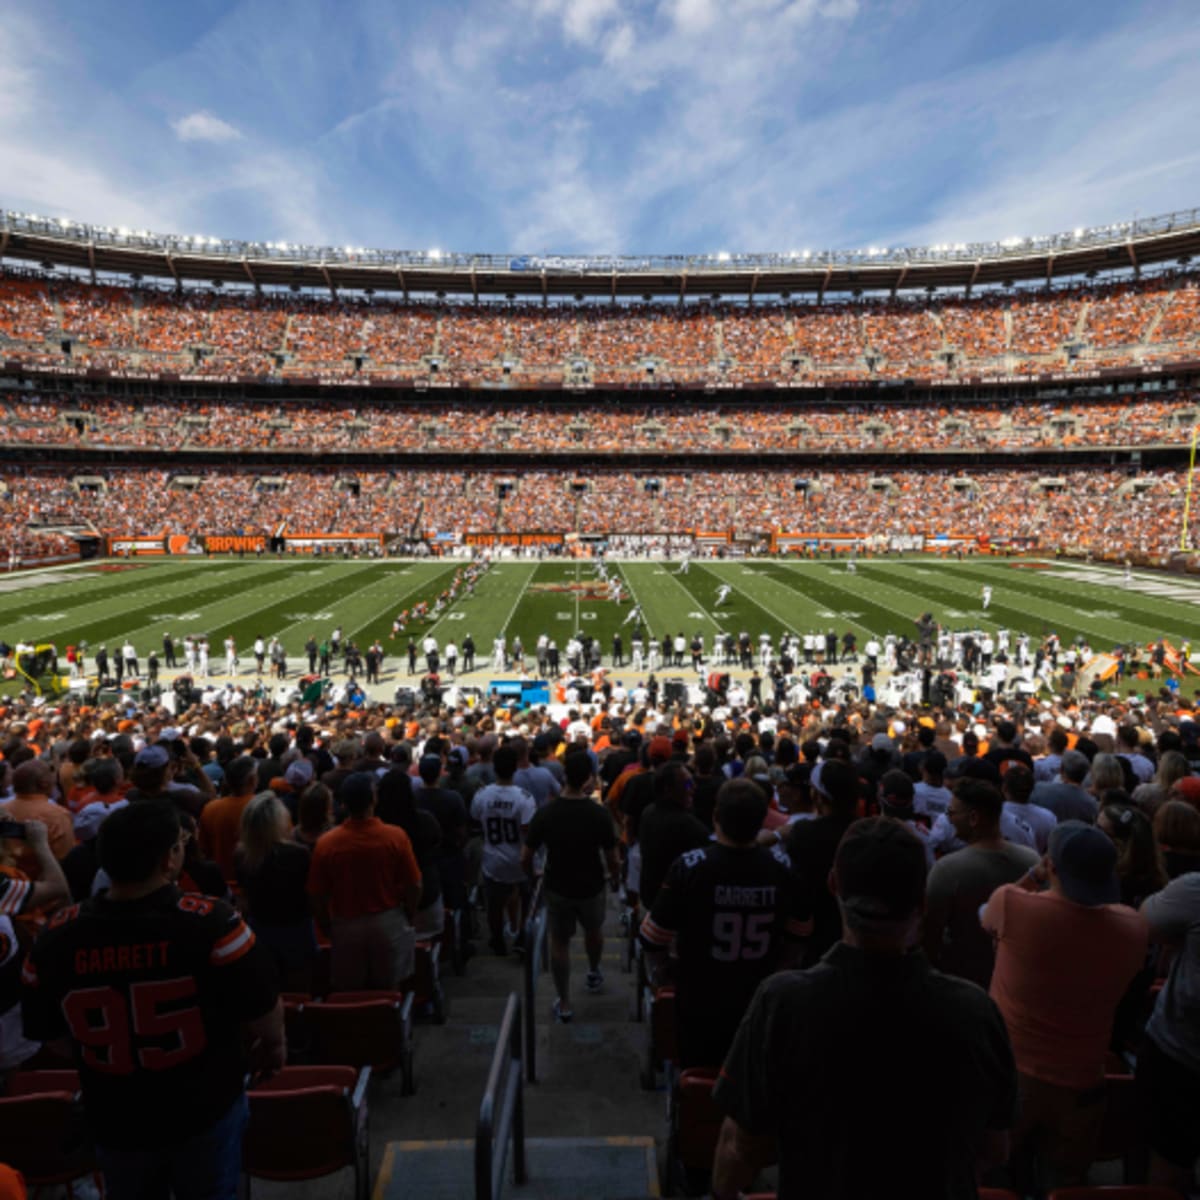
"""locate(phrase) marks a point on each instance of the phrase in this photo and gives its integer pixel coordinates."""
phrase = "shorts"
(1171, 1097)
(562, 912)
(497, 893)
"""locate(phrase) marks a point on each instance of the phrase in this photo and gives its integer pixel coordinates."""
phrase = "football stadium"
(598, 725)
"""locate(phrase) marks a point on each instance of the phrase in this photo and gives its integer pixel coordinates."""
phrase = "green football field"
(107, 603)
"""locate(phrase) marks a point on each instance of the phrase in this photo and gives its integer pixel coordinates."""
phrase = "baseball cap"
(347, 748)
(153, 756)
(881, 741)
(1085, 861)
(660, 748)
(299, 774)
(880, 870)
(1188, 788)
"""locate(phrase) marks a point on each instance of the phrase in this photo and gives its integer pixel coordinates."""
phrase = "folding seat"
(362, 1029)
(308, 1122)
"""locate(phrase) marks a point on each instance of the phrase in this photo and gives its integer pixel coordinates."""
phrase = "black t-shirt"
(665, 832)
(812, 846)
(275, 890)
(859, 1028)
(153, 993)
(574, 831)
(637, 796)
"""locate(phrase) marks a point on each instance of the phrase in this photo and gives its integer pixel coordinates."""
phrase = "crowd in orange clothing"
(1081, 509)
(281, 334)
(46, 419)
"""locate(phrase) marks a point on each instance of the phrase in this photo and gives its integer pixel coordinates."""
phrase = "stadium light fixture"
(723, 256)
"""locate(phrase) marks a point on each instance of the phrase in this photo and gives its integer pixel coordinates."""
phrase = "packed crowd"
(46, 419)
(1105, 511)
(1026, 876)
(219, 332)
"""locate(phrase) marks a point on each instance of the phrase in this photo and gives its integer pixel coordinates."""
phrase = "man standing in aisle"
(503, 811)
(581, 846)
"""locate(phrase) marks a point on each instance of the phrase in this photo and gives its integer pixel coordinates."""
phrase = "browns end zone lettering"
(231, 544)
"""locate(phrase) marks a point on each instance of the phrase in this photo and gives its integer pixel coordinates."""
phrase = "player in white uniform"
(987, 596)
(722, 592)
(685, 563)
(635, 614)
(503, 811)
(231, 659)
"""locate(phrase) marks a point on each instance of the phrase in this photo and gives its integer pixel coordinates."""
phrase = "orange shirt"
(58, 824)
(220, 829)
(1061, 969)
(363, 867)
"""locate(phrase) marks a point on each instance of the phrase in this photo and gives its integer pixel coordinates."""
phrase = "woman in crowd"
(272, 871)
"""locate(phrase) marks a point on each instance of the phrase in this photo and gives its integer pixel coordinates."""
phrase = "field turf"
(109, 602)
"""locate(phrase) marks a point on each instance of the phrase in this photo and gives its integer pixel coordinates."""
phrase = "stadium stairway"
(590, 1128)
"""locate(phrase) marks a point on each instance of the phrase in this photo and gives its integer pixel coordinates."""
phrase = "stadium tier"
(65, 327)
(1098, 511)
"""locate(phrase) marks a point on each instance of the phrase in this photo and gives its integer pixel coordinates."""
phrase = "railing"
(101, 236)
(502, 1111)
(534, 963)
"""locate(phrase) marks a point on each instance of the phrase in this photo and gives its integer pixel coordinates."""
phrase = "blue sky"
(601, 126)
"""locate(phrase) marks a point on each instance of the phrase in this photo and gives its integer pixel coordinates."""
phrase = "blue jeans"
(205, 1167)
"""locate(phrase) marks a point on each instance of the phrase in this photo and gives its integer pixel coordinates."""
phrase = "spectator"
(162, 1113)
(1067, 798)
(397, 807)
(1064, 958)
(1139, 865)
(962, 882)
(813, 1044)
(726, 912)
(32, 782)
(580, 845)
(314, 814)
(1017, 784)
(365, 886)
(220, 825)
(503, 811)
(1168, 1065)
(272, 874)
(668, 828)
(1177, 832)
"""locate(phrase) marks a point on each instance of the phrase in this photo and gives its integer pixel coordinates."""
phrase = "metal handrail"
(502, 1111)
(534, 962)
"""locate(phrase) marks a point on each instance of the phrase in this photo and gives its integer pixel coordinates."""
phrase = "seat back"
(663, 1025)
(1123, 1133)
(698, 1120)
(1124, 1191)
(34, 1083)
(302, 1124)
(42, 1135)
(358, 1029)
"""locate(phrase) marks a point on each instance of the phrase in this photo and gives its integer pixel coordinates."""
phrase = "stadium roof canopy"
(1129, 245)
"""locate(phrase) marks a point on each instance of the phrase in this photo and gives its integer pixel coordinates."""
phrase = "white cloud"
(204, 127)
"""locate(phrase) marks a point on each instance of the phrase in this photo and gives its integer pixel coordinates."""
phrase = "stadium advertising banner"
(322, 541)
(422, 382)
(234, 543)
(512, 539)
(125, 547)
